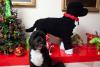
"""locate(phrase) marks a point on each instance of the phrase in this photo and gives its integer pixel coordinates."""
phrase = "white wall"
(52, 8)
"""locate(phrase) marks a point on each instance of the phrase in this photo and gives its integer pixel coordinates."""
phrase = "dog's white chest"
(36, 57)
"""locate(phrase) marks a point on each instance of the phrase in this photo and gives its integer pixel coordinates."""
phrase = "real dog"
(39, 54)
(62, 27)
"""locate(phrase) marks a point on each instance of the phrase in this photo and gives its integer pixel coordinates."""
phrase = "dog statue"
(39, 54)
(62, 27)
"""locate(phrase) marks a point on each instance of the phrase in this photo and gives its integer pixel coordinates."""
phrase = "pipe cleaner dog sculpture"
(39, 54)
(62, 27)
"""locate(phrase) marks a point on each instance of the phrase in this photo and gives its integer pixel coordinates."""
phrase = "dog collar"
(72, 17)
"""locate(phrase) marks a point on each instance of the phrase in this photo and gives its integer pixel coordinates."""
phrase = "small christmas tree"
(12, 34)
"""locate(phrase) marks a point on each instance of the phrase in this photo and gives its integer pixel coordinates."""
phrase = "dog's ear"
(36, 34)
(77, 9)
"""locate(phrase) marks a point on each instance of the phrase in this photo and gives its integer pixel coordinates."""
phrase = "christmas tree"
(12, 33)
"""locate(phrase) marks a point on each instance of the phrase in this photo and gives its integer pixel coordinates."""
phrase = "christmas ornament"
(1, 29)
(95, 41)
(1, 49)
(89, 37)
(6, 50)
(11, 49)
(1, 19)
(19, 51)
(8, 8)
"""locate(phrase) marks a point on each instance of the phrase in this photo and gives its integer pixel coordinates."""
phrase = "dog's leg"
(32, 65)
(68, 46)
(59, 64)
(47, 59)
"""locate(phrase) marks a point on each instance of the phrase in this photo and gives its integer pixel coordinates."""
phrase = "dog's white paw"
(69, 51)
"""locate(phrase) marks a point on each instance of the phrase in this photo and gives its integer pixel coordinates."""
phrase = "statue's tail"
(31, 28)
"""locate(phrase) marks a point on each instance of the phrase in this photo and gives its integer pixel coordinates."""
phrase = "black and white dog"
(39, 54)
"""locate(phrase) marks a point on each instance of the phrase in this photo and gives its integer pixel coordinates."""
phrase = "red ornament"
(14, 16)
(1, 19)
(89, 36)
(19, 51)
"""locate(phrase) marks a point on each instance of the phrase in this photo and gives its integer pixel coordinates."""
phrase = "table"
(81, 54)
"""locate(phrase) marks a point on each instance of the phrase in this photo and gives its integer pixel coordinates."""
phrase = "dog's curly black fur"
(37, 43)
(61, 27)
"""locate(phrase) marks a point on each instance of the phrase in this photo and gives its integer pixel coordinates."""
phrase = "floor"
(81, 64)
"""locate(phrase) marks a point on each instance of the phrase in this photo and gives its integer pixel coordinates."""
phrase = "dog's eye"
(40, 43)
(39, 40)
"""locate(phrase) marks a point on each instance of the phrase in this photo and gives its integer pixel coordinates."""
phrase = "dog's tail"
(31, 28)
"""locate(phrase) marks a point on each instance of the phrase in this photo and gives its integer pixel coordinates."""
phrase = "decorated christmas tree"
(12, 34)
